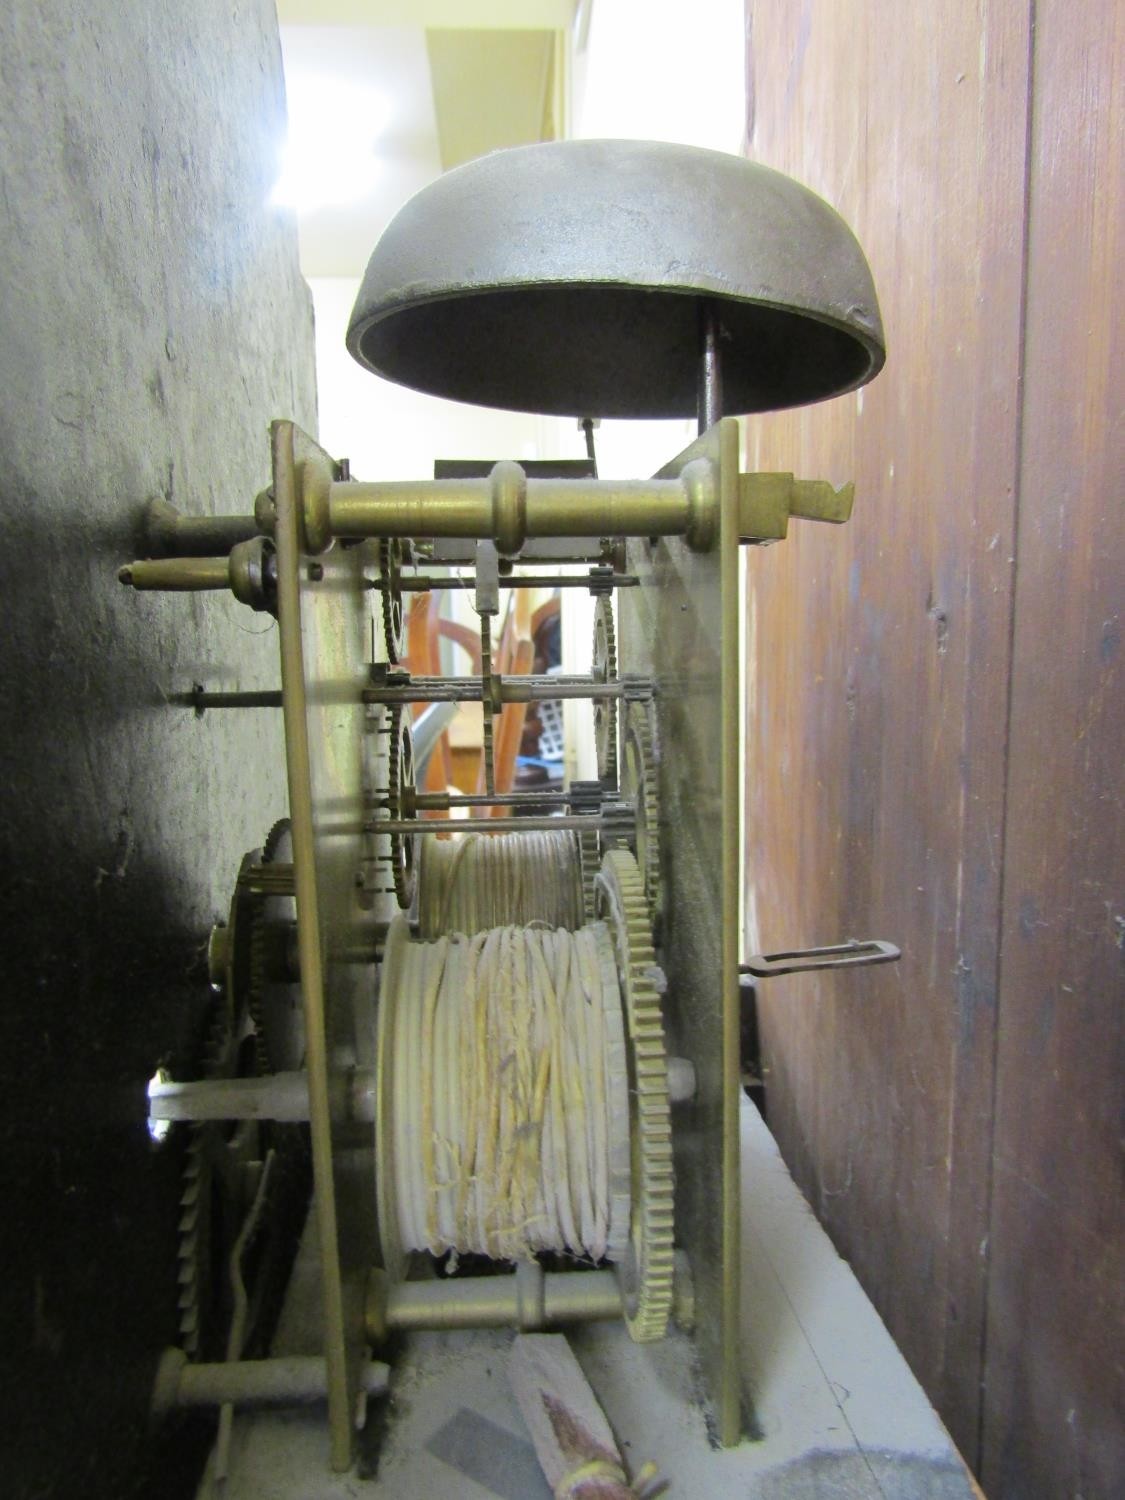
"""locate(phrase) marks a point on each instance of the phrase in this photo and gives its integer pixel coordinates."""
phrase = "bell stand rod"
(710, 390)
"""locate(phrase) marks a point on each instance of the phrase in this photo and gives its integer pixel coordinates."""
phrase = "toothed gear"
(194, 1223)
(586, 801)
(255, 990)
(216, 1179)
(619, 826)
(648, 1269)
(394, 617)
(212, 1179)
(605, 709)
(274, 840)
(400, 779)
(589, 856)
(207, 1149)
(638, 784)
(260, 942)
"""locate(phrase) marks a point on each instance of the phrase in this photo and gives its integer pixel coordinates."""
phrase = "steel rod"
(710, 369)
(580, 824)
(591, 451)
(530, 690)
(524, 689)
(264, 698)
(521, 689)
(169, 533)
(425, 583)
(548, 551)
(208, 536)
(443, 801)
(292, 1379)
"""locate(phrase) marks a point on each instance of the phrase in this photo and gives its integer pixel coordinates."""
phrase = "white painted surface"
(834, 1405)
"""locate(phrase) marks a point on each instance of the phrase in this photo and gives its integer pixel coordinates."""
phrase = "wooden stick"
(575, 1446)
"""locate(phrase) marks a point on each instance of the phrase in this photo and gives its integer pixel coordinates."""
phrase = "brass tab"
(766, 501)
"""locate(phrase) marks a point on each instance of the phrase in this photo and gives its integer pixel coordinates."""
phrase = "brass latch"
(766, 501)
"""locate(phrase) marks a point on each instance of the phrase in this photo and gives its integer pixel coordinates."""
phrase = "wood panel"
(152, 320)
(1054, 1393)
(877, 689)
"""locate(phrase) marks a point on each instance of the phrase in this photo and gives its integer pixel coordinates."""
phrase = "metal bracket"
(849, 955)
(486, 599)
(767, 501)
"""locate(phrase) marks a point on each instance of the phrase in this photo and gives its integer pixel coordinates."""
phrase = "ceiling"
(491, 89)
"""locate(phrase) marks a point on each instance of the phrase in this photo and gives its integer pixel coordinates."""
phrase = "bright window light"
(329, 155)
(158, 1129)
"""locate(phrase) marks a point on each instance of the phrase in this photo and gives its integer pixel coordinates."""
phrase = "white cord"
(510, 1115)
(483, 880)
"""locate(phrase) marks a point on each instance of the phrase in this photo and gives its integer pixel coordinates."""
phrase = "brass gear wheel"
(604, 669)
(394, 615)
(221, 1160)
(274, 840)
(272, 987)
(400, 783)
(589, 861)
(586, 798)
(647, 1271)
(260, 952)
(193, 1229)
(638, 784)
(214, 1183)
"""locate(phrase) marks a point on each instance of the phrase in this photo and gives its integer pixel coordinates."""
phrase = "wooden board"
(1054, 1390)
(936, 718)
(877, 688)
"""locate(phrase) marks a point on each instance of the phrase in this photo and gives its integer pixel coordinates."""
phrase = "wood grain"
(1054, 1391)
(877, 694)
